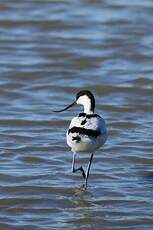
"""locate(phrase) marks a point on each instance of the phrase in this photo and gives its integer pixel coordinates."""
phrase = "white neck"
(87, 109)
(86, 102)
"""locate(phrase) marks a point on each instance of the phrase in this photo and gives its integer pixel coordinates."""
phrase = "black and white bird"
(87, 131)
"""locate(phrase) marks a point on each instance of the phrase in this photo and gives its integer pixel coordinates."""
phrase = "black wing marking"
(82, 114)
(77, 139)
(92, 115)
(83, 122)
(88, 115)
(83, 131)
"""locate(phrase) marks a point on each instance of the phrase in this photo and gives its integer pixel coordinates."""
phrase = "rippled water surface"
(49, 51)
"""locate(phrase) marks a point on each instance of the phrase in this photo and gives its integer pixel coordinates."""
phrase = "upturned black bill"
(69, 106)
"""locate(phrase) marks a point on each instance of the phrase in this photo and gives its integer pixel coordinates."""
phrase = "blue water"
(49, 51)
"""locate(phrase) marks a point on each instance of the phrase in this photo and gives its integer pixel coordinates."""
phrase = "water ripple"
(49, 51)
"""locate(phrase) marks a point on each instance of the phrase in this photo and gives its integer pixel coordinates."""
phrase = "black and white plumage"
(87, 131)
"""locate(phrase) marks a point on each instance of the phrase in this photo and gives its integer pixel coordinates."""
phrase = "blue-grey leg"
(87, 171)
(78, 169)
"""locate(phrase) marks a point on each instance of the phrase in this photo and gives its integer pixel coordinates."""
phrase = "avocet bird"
(87, 131)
